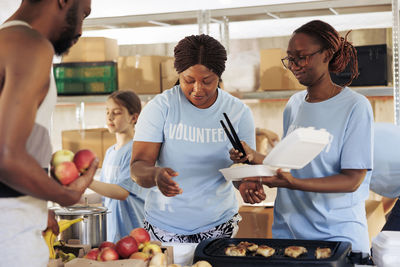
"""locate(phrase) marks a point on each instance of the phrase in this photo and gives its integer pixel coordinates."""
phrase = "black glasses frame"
(296, 60)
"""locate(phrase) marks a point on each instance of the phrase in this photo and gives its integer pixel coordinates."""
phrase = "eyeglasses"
(300, 61)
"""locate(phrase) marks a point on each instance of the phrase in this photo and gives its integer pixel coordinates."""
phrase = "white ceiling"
(237, 29)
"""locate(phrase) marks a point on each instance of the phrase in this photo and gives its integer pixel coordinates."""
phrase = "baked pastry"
(235, 251)
(295, 251)
(323, 253)
(265, 251)
(249, 246)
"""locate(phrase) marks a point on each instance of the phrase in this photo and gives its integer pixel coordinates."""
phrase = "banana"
(50, 237)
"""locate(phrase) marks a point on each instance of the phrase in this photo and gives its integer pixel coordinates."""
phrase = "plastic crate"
(86, 78)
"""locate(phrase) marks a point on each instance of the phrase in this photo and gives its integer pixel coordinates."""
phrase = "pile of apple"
(134, 246)
(67, 166)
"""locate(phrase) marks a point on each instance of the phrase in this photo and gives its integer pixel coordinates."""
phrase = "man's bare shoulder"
(22, 39)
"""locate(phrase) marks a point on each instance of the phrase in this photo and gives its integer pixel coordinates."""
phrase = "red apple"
(61, 156)
(108, 254)
(126, 246)
(66, 172)
(140, 256)
(92, 254)
(107, 244)
(141, 235)
(83, 158)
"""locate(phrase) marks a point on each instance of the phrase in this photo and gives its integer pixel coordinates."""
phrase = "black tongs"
(235, 141)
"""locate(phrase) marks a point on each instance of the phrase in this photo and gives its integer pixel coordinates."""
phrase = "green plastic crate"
(86, 78)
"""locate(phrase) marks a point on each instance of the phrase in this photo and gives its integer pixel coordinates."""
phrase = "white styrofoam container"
(295, 151)
(386, 249)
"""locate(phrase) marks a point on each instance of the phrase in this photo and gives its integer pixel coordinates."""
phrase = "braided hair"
(343, 52)
(200, 49)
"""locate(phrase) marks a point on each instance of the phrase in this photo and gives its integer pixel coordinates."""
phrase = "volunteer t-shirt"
(329, 216)
(195, 145)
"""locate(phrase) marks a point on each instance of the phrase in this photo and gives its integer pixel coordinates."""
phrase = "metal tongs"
(235, 141)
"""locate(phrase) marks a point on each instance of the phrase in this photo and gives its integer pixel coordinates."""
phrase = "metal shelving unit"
(281, 94)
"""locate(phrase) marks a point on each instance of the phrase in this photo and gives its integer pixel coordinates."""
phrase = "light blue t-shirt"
(194, 144)
(329, 216)
(385, 179)
(125, 214)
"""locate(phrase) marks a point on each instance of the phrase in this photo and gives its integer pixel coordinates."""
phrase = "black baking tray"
(213, 251)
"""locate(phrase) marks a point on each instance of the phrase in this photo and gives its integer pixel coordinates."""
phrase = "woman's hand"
(252, 192)
(281, 179)
(236, 155)
(165, 182)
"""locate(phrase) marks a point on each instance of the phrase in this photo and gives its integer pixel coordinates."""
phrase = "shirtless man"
(28, 41)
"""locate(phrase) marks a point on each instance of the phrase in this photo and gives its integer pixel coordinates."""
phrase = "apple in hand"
(83, 158)
(66, 172)
(126, 246)
(107, 244)
(108, 254)
(61, 156)
(92, 254)
(140, 256)
(141, 235)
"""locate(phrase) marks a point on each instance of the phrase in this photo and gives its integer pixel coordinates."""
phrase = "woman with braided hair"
(325, 199)
(179, 147)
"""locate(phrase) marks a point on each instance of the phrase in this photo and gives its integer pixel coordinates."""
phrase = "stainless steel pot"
(92, 230)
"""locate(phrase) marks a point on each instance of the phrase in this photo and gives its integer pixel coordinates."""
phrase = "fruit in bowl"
(108, 254)
(126, 246)
(141, 236)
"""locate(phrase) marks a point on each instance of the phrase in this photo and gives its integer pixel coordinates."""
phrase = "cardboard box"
(92, 49)
(169, 76)
(55, 263)
(273, 75)
(97, 140)
(256, 222)
(375, 217)
(81, 262)
(141, 74)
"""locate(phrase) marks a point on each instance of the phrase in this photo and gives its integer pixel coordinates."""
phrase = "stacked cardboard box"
(93, 49)
(169, 76)
(273, 75)
(97, 140)
(142, 74)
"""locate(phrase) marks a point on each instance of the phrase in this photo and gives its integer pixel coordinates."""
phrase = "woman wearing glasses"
(325, 199)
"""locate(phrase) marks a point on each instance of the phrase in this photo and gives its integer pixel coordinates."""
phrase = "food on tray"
(235, 251)
(323, 253)
(248, 246)
(265, 251)
(295, 251)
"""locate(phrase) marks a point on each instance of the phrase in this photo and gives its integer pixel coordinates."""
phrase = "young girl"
(122, 196)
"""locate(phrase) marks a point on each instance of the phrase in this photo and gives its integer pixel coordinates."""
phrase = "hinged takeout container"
(295, 151)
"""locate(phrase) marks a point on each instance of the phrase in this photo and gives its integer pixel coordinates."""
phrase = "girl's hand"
(165, 182)
(252, 192)
(236, 155)
(281, 179)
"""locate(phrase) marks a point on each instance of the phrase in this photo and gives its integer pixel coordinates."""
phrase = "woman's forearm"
(144, 173)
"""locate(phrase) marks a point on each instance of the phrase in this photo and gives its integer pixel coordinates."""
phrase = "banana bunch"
(50, 237)
(65, 257)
